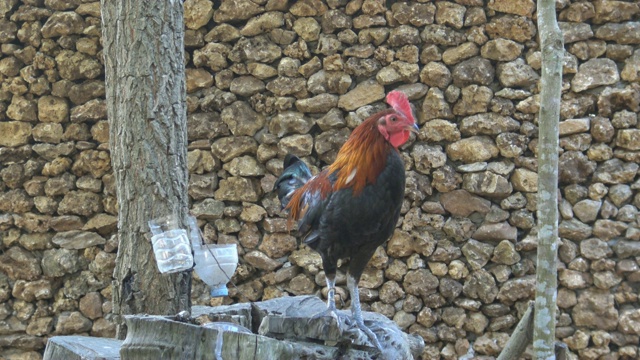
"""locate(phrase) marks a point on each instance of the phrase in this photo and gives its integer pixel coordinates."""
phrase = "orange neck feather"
(363, 157)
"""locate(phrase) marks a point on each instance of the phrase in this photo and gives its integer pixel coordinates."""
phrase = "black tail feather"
(295, 174)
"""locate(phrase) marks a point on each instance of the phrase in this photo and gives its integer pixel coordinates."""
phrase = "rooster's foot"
(340, 317)
(370, 334)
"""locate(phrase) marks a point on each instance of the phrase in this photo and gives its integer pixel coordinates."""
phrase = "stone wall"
(267, 77)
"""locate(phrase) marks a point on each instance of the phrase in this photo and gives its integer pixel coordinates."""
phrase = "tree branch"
(546, 275)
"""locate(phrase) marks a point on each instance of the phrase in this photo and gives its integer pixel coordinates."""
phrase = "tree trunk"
(546, 274)
(145, 87)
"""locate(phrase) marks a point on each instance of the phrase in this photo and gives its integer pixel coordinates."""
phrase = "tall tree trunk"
(145, 80)
(546, 274)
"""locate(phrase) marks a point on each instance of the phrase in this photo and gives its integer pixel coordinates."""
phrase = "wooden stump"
(82, 348)
(282, 329)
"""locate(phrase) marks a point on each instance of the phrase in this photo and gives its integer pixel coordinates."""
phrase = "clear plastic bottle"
(170, 245)
(215, 264)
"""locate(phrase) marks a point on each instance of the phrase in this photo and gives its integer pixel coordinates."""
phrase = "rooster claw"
(340, 317)
(370, 334)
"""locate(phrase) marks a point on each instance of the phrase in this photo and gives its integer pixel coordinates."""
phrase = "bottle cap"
(219, 291)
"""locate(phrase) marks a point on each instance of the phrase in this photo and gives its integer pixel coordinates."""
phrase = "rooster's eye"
(393, 118)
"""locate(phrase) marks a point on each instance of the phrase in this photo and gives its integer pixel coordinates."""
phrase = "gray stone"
(299, 145)
(501, 50)
(441, 35)
(481, 285)
(574, 229)
(18, 263)
(197, 13)
(77, 66)
(236, 10)
(62, 24)
(72, 323)
(318, 104)
(14, 133)
(435, 106)
(263, 23)
(59, 262)
(439, 130)
(517, 74)
(475, 99)
(241, 119)
(238, 189)
(629, 321)
(574, 126)
(473, 71)
(496, 232)
(22, 109)
(594, 73)
(255, 49)
(462, 52)
(505, 253)
(208, 209)
(261, 261)
(615, 171)
(364, 93)
(596, 308)
(517, 289)
(487, 184)
(428, 157)
(488, 124)
(524, 180)
(477, 253)
(631, 70)
(594, 249)
(228, 148)
(436, 74)
(329, 142)
(587, 210)
(80, 203)
(623, 33)
(575, 167)
(473, 149)
(573, 32)
(403, 35)
(416, 14)
(609, 229)
(76, 239)
(625, 249)
(30, 291)
(246, 85)
(420, 283)
(511, 145)
(462, 203)
(516, 28)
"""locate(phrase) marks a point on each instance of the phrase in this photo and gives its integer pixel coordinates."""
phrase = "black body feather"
(342, 225)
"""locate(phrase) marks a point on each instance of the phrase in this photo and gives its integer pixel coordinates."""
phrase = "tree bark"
(145, 86)
(546, 274)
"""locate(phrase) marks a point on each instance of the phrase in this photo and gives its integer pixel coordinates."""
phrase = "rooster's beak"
(414, 129)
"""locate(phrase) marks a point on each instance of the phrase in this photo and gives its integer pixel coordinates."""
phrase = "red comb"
(400, 103)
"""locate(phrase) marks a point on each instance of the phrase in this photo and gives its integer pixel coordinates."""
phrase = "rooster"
(352, 207)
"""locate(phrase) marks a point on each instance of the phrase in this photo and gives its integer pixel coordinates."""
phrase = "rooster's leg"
(352, 284)
(331, 309)
(331, 295)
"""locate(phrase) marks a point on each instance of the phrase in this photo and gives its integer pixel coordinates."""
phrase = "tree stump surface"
(82, 348)
(283, 328)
